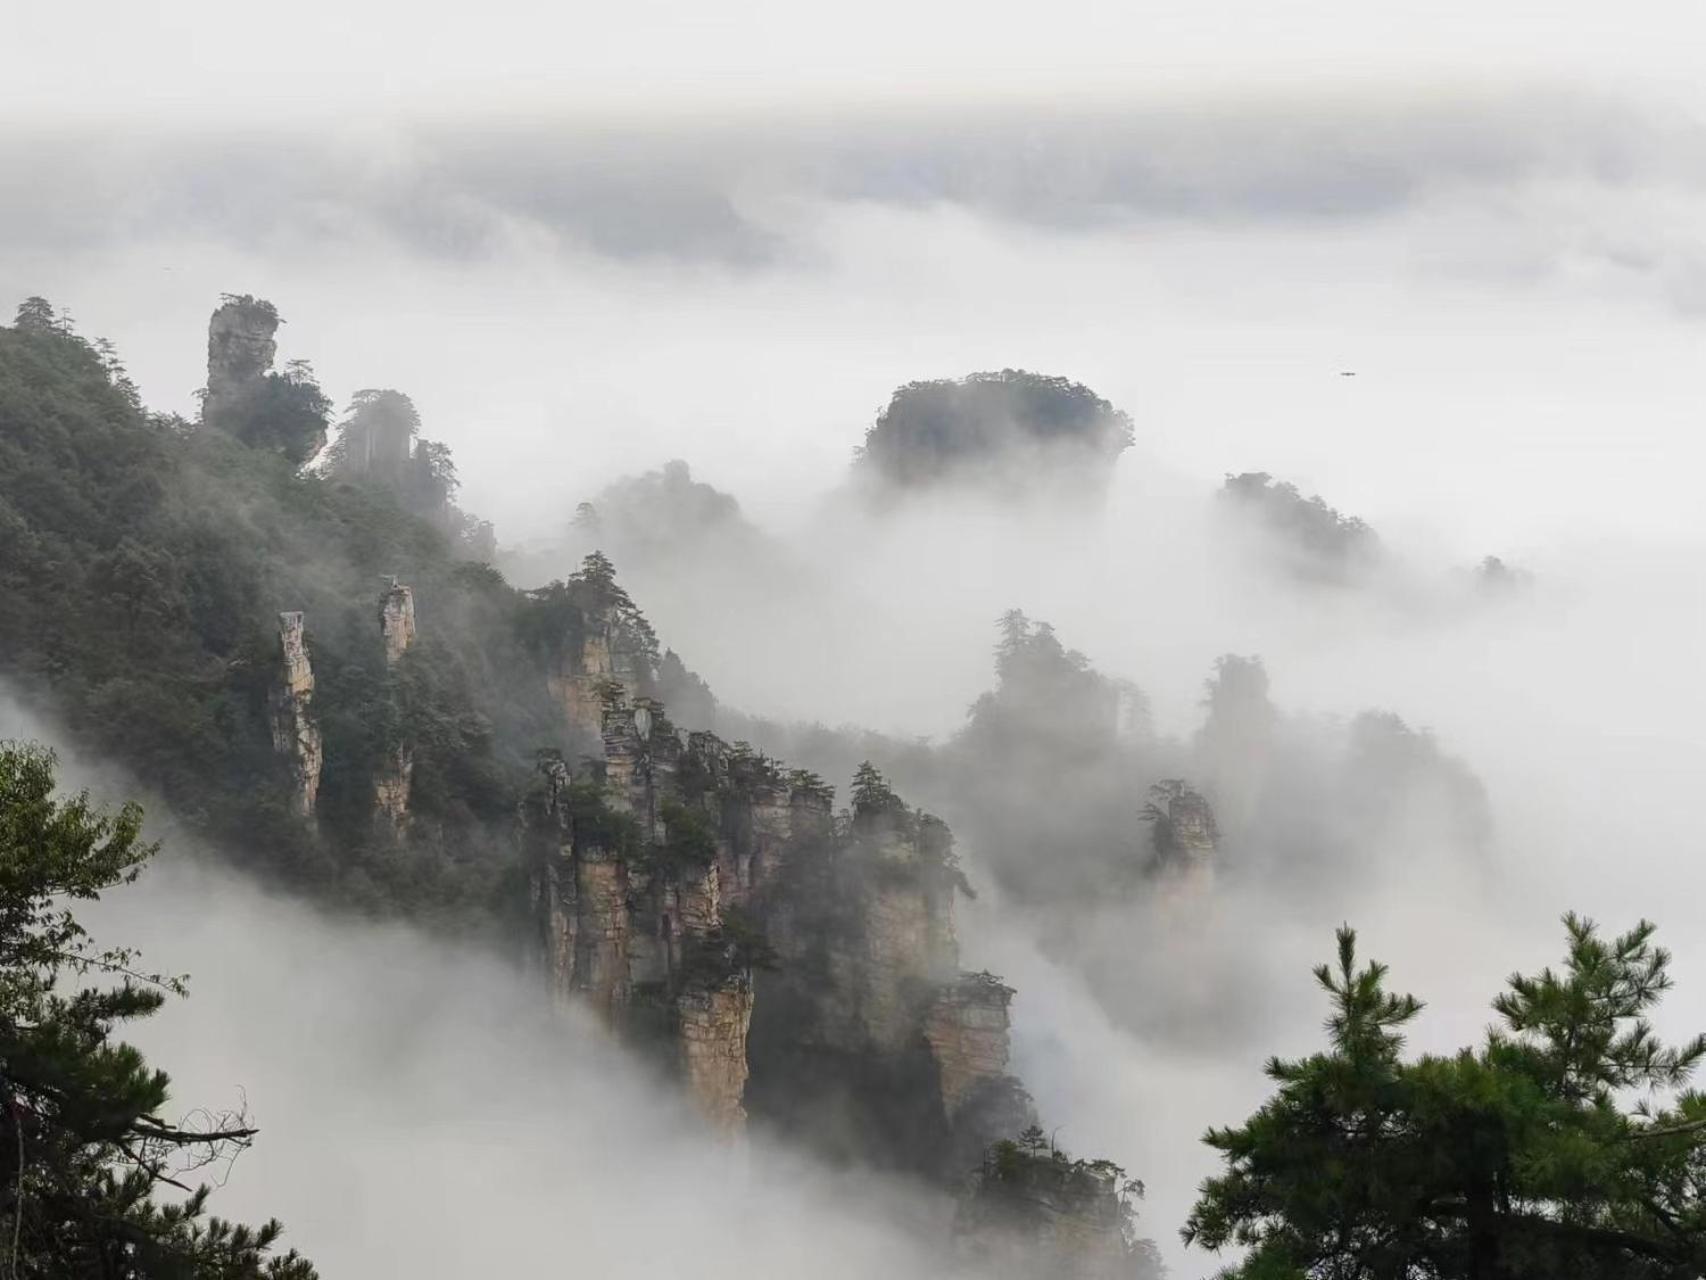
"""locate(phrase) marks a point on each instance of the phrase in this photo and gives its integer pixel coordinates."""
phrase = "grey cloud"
(693, 192)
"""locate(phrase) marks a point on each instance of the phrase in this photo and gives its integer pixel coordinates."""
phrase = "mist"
(1444, 268)
(1140, 1021)
(425, 1111)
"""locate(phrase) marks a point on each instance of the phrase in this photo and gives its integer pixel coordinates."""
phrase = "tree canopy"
(144, 562)
(1566, 1145)
(85, 1142)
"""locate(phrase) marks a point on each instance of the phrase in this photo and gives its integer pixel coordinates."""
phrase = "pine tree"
(1516, 1162)
(83, 1144)
(872, 795)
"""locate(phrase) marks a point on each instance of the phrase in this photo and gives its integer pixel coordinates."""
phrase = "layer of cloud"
(424, 1111)
(744, 192)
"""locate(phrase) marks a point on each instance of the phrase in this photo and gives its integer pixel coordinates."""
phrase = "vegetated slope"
(414, 736)
(144, 563)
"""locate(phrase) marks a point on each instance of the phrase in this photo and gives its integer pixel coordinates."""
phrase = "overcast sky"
(523, 215)
(207, 57)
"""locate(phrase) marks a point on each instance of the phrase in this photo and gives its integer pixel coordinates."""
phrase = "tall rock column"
(295, 736)
(967, 1030)
(397, 621)
(713, 1022)
(240, 351)
(579, 682)
(396, 772)
(552, 882)
(1186, 838)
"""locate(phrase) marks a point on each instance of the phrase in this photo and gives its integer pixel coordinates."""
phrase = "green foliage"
(83, 1145)
(1316, 541)
(1026, 1187)
(143, 567)
(732, 952)
(282, 412)
(593, 824)
(1516, 1161)
(879, 815)
(805, 782)
(36, 315)
(751, 772)
(379, 444)
(556, 619)
(689, 843)
(934, 430)
(873, 798)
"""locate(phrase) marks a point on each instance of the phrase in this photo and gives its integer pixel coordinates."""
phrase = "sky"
(322, 56)
(587, 239)
(519, 215)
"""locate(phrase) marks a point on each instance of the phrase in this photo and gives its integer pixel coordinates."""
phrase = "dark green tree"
(1030, 1209)
(36, 314)
(283, 412)
(1560, 1148)
(872, 795)
(84, 1144)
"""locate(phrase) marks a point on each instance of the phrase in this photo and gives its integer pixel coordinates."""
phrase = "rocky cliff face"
(392, 785)
(295, 736)
(609, 648)
(967, 1030)
(713, 1025)
(682, 884)
(240, 351)
(867, 1035)
(630, 863)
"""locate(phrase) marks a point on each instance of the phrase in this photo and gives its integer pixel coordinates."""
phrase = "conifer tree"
(84, 1139)
(1560, 1148)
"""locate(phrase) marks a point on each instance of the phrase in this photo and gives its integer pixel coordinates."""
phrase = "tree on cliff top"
(1315, 541)
(282, 412)
(1030, 1209)
(83, 1144)
(379, 443)
(871, 794)
(1520, 1161)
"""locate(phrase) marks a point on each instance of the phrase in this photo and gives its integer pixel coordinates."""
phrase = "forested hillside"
(145, 561)
(313, 666)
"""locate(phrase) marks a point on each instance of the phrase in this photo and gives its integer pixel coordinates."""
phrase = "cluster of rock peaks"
(688, 889)
(796, 964)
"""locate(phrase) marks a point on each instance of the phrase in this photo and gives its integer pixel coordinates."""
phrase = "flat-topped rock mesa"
(1012, 431)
